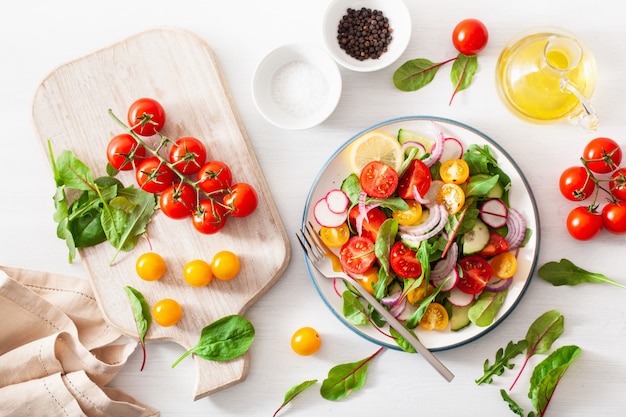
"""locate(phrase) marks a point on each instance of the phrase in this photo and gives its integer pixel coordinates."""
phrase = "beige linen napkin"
(56, 351)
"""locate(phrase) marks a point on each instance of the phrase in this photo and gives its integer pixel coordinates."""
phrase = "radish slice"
(460, 298)
(337, 201)
(450, 280)
(327, 218)
(494, 213)
(452, 149)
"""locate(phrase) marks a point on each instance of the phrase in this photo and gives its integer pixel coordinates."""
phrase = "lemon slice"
(375, 146)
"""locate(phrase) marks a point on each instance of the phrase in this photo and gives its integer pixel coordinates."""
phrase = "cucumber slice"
(459, 317)
(476, 239)
(410, 136)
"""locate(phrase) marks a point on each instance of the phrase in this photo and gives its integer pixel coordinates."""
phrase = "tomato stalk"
(598, 182)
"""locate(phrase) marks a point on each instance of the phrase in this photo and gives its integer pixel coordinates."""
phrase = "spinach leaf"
(352, 187)
(503, 356)
(385, 238)
(480, 185)
(486, 307)
(224, 339)
(345, 378)
(353, 310)
(293, 392)
(143, 318)
(566, 273)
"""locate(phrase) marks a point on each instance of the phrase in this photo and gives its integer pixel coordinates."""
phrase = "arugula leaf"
(503, 356)
(345, 378)
(293, 392)
(143, 318)
(513, 406)
(566, 273)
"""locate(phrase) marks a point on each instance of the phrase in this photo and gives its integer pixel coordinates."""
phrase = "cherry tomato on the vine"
(209, 217)
(242, 199)
(150, 266)
(584, 223)
(188, 154)
(603, 155)
(214, 177)
(146, 116)
(576, 184)
(167, 312)
(470, 36)
(306, 341)
(178, 201)
(225, 265)
(124, 153)
(378, 179)
(154, 176)
(617, 185)
(614, 217)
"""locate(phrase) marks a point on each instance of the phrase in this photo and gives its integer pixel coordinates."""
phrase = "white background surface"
(38, 36)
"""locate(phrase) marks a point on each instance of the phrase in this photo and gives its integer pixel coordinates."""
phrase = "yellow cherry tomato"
(368, 279)
(198, 273)
(334, 237)
(504, 265)
(410, 216)
(306, 341)
(454, 171)
(225, 265)
(417, 294)
(150, 266)
(435, 317)
(167, 312)
(452, 197)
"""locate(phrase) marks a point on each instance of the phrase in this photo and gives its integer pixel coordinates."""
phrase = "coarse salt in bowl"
(399, 20)
(296, 86)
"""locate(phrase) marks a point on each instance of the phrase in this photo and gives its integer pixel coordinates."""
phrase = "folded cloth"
(56, 351)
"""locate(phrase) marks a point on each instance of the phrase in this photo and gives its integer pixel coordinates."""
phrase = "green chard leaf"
(293, 392)
(416, 73)
(401, 341)
(486, 307)
(353, 310)
(501, 363)
(227, 338)
(463, 71)
(143, 318)
(345, 378)
(385, 238)
(566, 273)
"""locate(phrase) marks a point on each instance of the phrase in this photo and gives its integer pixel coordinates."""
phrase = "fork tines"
(310, 242)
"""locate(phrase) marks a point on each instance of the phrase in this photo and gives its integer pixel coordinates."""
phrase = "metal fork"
(320, 257)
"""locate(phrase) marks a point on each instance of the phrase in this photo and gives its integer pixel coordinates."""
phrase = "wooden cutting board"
(181, 71)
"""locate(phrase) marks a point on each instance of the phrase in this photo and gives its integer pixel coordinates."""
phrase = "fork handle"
(399, 327)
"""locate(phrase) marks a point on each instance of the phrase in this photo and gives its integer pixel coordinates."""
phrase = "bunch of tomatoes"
(600, 174)
(188, 184)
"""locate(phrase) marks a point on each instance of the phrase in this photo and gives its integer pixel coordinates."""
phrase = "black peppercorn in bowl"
(366, 35)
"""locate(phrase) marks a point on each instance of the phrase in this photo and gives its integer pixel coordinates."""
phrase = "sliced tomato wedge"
(378, 179)
(357, 255)
(496, 245)
(418, 176)
(475, 273)
(369, 228)
(404, 261)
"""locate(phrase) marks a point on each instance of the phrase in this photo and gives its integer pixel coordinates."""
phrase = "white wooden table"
(37, 36)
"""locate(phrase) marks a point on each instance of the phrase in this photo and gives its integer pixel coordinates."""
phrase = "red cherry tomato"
(497, 244)
(470, 36)
(188, 155)
(378, 179)
(614, 217)
(214, 177)
(576, 184)
(370, 225)
(475, 273)
(154, 176)
(146, 116)
(357, 255)
(617, 185)
(404, 261)
(603, 155)
(209, 217)
(417, 176)
(178, 201)
(583, 224)
(123, 152)
(242, 199)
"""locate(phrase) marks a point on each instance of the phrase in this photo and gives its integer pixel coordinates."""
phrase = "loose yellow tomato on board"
(225, 265)
(454, 171)
(306, 341)
(198, 273)
(150, 266)
(504, 265)
(452, 197)
(334, 237)
(435, 317)
(167, 312)
(410, 216)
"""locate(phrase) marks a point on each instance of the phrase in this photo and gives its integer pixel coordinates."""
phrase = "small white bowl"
(296, 86)
(399, 20)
